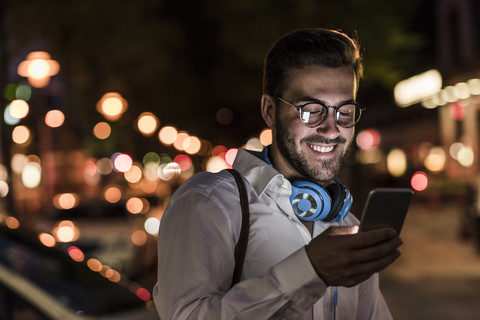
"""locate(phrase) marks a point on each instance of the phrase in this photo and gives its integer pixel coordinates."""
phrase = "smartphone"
(386, 207)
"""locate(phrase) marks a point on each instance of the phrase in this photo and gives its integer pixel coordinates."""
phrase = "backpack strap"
(241, 246)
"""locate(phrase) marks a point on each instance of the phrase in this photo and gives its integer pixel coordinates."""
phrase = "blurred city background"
(108, 106)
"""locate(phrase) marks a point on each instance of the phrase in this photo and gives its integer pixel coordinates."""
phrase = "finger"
(374, 253)
(362, 272)
(365, 270)
(371, 238)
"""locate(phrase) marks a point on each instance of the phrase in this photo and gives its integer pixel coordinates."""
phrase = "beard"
(323, 170)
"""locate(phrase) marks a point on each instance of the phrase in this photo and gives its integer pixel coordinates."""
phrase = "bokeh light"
(8, 118)
(4, 189)
(134, 205)
(147, 123)
(435, 160)
(254, 144)
(12, 223)
(19, 109)
(31, 175)
(419, 181)
(133, 175)
(168, 135)
(151, 157)
(122, 162)
(178, 144)
(219, 151)
(75, 253)
(18, 162)
(65, 201)
(216, 164)
(466, 156)
(54, 118)
(23, 91)
(151, 225)
(104, 166)
(139, 238)
(369, 156)
(169, 171)
(20, 134)
(112, 105)
(112, 194)
(266, 137)
(66, 231)
(396, 162)
(47, 239)
(368, 139)
(102, 130)
(38, 68)
(192, 145)
(94, 264)
(150, 171)
(143, 294)
(184, 161)
(231, 155)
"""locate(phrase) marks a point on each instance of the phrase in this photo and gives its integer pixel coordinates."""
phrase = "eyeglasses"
(312, 114)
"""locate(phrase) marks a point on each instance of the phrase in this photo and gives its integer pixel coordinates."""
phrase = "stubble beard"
(323, 170)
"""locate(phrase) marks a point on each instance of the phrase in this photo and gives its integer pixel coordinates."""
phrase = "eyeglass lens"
(313, 114)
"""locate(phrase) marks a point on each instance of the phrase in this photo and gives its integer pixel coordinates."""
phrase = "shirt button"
(283, 186)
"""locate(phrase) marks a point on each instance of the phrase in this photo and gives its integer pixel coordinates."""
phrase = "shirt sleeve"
(196, 261)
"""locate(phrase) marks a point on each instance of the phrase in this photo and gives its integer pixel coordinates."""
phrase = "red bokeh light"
(419, 181)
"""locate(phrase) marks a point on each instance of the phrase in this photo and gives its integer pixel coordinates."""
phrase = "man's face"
(313, 153)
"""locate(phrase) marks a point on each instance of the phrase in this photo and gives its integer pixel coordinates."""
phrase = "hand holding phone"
(386, 207)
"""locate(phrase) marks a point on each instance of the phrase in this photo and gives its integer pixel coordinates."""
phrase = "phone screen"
(386, 207)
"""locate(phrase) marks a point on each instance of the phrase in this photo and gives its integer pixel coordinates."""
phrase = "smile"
(321, 149)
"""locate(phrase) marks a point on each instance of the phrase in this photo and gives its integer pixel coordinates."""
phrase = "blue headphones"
(310, 202)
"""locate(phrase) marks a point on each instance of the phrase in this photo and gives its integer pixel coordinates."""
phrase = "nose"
(329, 126)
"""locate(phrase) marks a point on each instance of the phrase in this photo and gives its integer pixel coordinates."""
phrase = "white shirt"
(196, 243)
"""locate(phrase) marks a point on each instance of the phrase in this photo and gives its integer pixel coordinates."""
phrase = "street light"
(38, 68)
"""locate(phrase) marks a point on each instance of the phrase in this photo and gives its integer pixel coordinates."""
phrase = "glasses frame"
(335, 109)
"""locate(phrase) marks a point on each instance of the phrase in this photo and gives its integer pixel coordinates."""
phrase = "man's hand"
(342, 257)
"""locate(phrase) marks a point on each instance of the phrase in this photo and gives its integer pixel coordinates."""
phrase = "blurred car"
(45, 283)
(101, 229)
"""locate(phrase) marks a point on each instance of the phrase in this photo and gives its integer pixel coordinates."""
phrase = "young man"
(294, 268)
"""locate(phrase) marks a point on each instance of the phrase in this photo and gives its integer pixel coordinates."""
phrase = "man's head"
(305, 66)
(301, 48)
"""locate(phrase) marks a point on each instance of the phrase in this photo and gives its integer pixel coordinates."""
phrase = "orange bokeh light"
(112, 105)
(54, 118)
(102, 130)
(38, 68)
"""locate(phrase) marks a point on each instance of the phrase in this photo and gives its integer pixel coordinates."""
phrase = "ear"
(268, 110)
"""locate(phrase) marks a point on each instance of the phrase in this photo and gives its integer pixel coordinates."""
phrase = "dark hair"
(301, 48)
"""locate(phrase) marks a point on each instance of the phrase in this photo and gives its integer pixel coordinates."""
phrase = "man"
(294, 268)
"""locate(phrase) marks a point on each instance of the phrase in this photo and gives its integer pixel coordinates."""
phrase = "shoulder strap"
(241, 246)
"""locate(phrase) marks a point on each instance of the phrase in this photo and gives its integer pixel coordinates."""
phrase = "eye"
(313, 108)
(347, 110)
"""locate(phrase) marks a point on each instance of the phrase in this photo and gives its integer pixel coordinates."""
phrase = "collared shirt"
(196, 243)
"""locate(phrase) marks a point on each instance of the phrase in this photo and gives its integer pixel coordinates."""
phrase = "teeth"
(321, 149)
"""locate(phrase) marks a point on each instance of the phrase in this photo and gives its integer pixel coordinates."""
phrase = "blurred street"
(438, 275)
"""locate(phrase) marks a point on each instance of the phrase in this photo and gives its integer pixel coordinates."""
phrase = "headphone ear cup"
(341, 202)
(337, 194)
(309, 202)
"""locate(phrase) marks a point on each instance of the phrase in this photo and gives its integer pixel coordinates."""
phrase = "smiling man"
(304, 259)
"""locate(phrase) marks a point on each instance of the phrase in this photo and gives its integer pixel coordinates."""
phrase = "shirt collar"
(255, 168)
